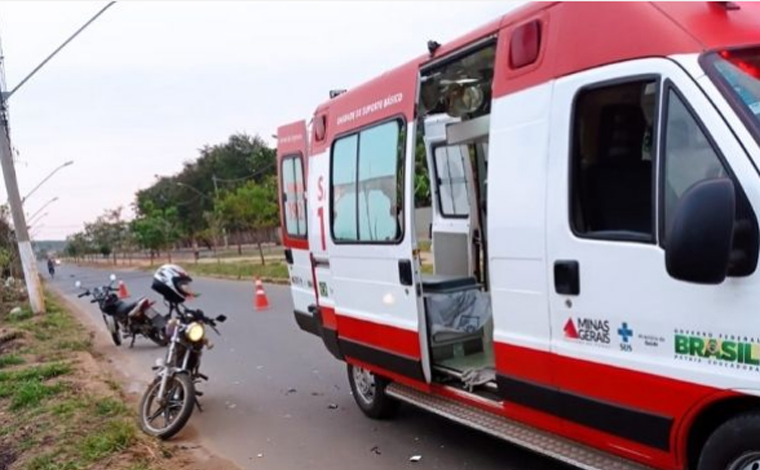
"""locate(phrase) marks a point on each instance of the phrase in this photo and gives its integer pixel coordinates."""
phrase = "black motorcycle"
(128, 318)
(168, 403)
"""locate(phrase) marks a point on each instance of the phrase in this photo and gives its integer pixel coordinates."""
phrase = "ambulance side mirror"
(698, 247)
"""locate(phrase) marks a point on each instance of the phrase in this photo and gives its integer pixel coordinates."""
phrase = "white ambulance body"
(594, 293)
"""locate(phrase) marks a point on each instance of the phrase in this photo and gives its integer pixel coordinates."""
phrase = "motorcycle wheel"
(115, 336)
(176, 411)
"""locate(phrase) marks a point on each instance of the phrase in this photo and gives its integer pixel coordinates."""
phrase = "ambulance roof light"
(433, 46)
(334, 93)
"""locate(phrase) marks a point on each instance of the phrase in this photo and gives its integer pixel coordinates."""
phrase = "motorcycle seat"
(125, 308)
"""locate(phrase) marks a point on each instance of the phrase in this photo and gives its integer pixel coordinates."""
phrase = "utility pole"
(26, 253)
(28, 261)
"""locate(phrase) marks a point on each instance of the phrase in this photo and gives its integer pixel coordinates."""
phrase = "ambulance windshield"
(739, 73)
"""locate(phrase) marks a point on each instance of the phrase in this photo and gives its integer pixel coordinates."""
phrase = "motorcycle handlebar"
(198, 315)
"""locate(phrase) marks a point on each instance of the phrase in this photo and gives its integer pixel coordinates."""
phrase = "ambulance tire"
(735, 445)
(369, 393)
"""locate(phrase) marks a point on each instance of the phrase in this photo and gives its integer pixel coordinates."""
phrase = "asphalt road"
(270, 402)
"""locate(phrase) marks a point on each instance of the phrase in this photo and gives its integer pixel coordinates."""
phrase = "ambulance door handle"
(288, 256)
(405, 276)
(567, 277)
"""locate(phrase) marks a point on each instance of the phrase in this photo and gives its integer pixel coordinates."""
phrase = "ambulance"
(592, 290)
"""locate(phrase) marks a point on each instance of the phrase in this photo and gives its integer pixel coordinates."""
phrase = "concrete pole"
(28, 261)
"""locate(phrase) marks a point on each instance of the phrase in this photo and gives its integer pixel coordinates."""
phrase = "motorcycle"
(128, 318)
(168, 403)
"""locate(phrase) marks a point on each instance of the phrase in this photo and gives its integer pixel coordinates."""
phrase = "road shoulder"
(186, 451)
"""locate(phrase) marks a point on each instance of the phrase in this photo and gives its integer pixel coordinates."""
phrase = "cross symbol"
(625, 332)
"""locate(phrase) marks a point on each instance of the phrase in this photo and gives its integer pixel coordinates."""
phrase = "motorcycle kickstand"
(198, 404)
(132, 343)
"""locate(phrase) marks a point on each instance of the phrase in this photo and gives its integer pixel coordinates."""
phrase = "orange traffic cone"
(260, 301)
(123, 292)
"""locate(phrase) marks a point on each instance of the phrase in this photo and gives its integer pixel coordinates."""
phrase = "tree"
(156, 229)
(241, 158)
(107, 233)
(421, 175)
(251, 207)
(77, 245)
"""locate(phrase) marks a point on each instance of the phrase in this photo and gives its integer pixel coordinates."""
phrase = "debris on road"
(375, 450)
(415, 458)
(291, 390)
(332, 406)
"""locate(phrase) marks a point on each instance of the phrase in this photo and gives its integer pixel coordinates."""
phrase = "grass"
(242, 270)
(111, 407)
(8, 360)
(113, 437)
(52, 412)
(31, 394)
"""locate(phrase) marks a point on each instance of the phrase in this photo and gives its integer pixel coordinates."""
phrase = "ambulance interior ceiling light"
(460, 88)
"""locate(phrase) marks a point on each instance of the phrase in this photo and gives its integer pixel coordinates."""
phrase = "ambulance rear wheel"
(369, 393)
(735, 445)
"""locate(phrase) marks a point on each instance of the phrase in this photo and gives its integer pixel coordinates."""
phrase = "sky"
(150, 83)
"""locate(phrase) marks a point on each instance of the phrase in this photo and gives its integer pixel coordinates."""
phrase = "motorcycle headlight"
(195, 332)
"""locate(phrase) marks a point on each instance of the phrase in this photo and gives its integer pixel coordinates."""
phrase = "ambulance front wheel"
(735, 445)
(369, 393)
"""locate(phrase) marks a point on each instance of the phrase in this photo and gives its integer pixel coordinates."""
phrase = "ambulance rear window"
(293, 196)
(737, 74)
(450, 163)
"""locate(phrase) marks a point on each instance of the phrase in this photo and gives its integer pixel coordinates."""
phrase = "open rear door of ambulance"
(292, 163)
(453, 231)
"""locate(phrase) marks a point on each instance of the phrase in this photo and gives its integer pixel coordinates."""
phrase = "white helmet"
(172, 282)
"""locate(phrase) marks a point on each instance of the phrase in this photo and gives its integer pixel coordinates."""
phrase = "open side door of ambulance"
(292, 164)
(370, 230)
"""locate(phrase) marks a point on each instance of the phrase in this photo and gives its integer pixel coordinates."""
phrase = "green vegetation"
(114, 436)
(194, 207)
(8, 360)
(54, 412)
(228, 190)
(251, 207)
(274, 271)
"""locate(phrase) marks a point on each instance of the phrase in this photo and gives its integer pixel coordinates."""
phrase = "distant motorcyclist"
(51, 267)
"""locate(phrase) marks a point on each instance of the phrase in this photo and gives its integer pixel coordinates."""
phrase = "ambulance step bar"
(540, 442)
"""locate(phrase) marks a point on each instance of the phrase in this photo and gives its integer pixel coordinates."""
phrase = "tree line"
(230, 189)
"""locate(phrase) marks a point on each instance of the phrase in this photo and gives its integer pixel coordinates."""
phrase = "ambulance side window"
(612, 155)
(343, 190)
(293, 196)
(367, 185)
(689, 155)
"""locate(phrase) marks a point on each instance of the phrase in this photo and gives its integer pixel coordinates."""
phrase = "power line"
(58, 49)
(243, 178)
